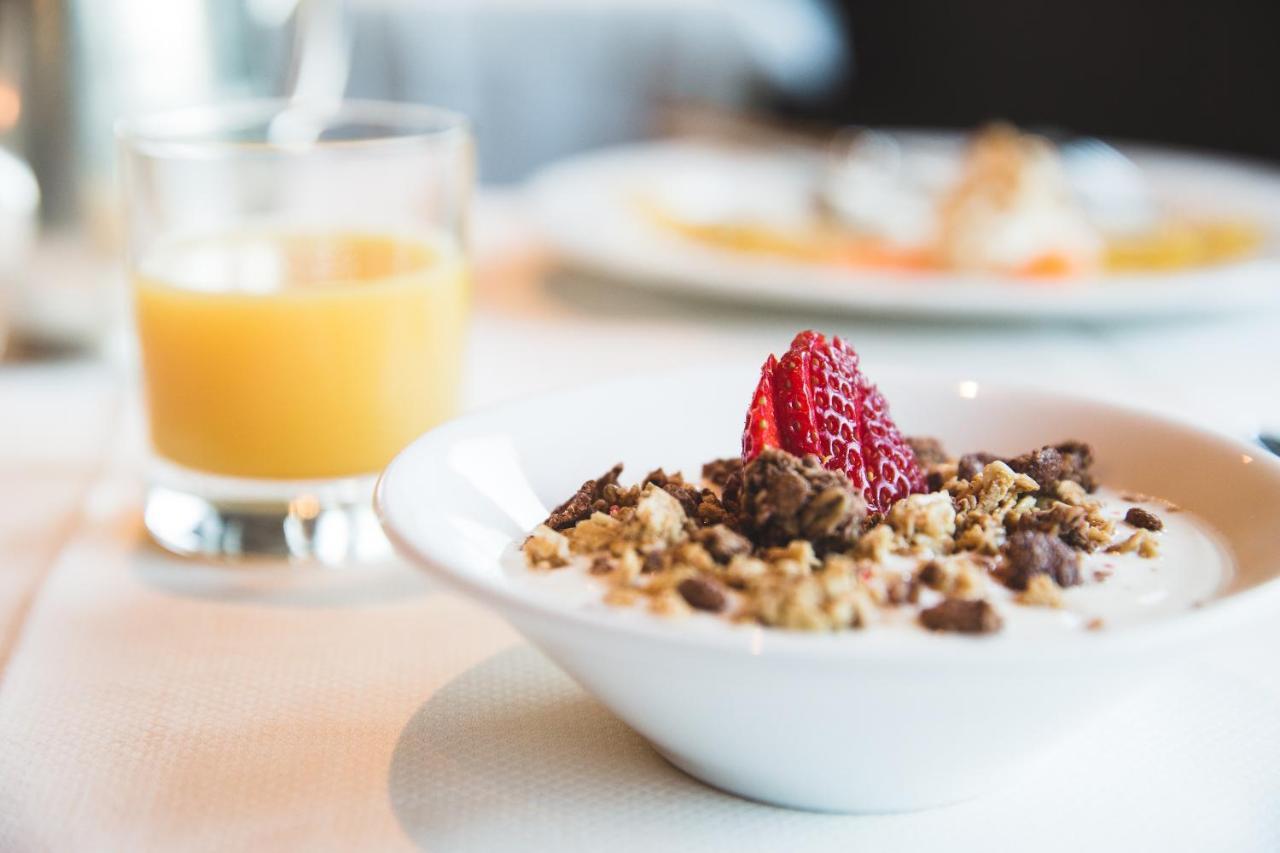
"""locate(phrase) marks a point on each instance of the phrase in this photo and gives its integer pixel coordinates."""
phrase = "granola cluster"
(784, 542)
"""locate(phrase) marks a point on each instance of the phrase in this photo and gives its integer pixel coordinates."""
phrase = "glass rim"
(192, 132)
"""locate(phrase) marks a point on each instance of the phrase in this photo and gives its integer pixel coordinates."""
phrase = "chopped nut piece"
(1071, 493)
(877, 543)
(1029, 553)
(1097, 623)
(661, 515)
(668, 604)
(1041, 591)
(1081, 526)
(621, 596)
(593, 534)
(956, 576)
(1143, 542)
(827, 600)
(961, 616)
(797, 558)
(546, 548)
(703, 594)
(925, 522)
(722, 543)
(1141, 518)
(693, 555)
(985, 502)
(744, 569)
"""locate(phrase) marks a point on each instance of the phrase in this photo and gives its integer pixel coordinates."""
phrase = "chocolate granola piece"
(674, 485)
(702, 594)
(1077, 463)
(583, 502)
(722, 543)
(1048, 466)
(1030, 552)
(931, 574)
(718, 471)
(688, 496)
(1045, 466)
(662, 479)
(1143, 520)
(603, 564)
(711, 510)
(786, 498)
(962, 616)
(731, 493)
(928, 450)
(971, 464)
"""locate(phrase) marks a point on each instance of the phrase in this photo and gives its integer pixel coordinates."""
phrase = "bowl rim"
(1220, 614)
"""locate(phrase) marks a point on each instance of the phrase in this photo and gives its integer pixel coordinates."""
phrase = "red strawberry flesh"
(816, 400)
(762, 425)
(793, 401)
(837, 399)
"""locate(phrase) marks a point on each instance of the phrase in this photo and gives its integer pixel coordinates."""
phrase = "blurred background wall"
(1185, 72)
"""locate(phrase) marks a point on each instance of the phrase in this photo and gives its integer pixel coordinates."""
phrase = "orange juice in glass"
(301, 301)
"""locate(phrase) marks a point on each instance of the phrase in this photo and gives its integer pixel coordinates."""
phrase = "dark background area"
(1200, 74)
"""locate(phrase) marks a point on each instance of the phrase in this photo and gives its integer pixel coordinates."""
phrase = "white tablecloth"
(152, 704)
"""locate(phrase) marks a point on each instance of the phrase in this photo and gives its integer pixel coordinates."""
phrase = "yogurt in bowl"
(890, 718)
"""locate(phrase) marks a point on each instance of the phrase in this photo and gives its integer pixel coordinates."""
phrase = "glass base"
(329, 522)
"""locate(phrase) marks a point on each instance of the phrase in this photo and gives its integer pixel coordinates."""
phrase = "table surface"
(153, 703)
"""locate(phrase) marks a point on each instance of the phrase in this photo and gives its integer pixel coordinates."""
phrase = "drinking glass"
(300, 286)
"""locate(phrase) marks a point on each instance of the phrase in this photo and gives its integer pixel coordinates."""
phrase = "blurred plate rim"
(579, 208)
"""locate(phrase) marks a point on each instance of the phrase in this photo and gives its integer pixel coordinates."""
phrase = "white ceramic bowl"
(853, 722)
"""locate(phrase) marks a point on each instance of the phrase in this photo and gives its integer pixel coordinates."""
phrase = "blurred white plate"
(586, 208)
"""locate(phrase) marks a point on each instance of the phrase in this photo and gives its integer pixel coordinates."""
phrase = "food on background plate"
(1006, 207)
(831, 519)
(1012, 212)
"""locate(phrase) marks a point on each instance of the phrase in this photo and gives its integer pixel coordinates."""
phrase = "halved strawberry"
(761, 430)
(892, 472)
(837, 402)
(816, 400)
(793, 401)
